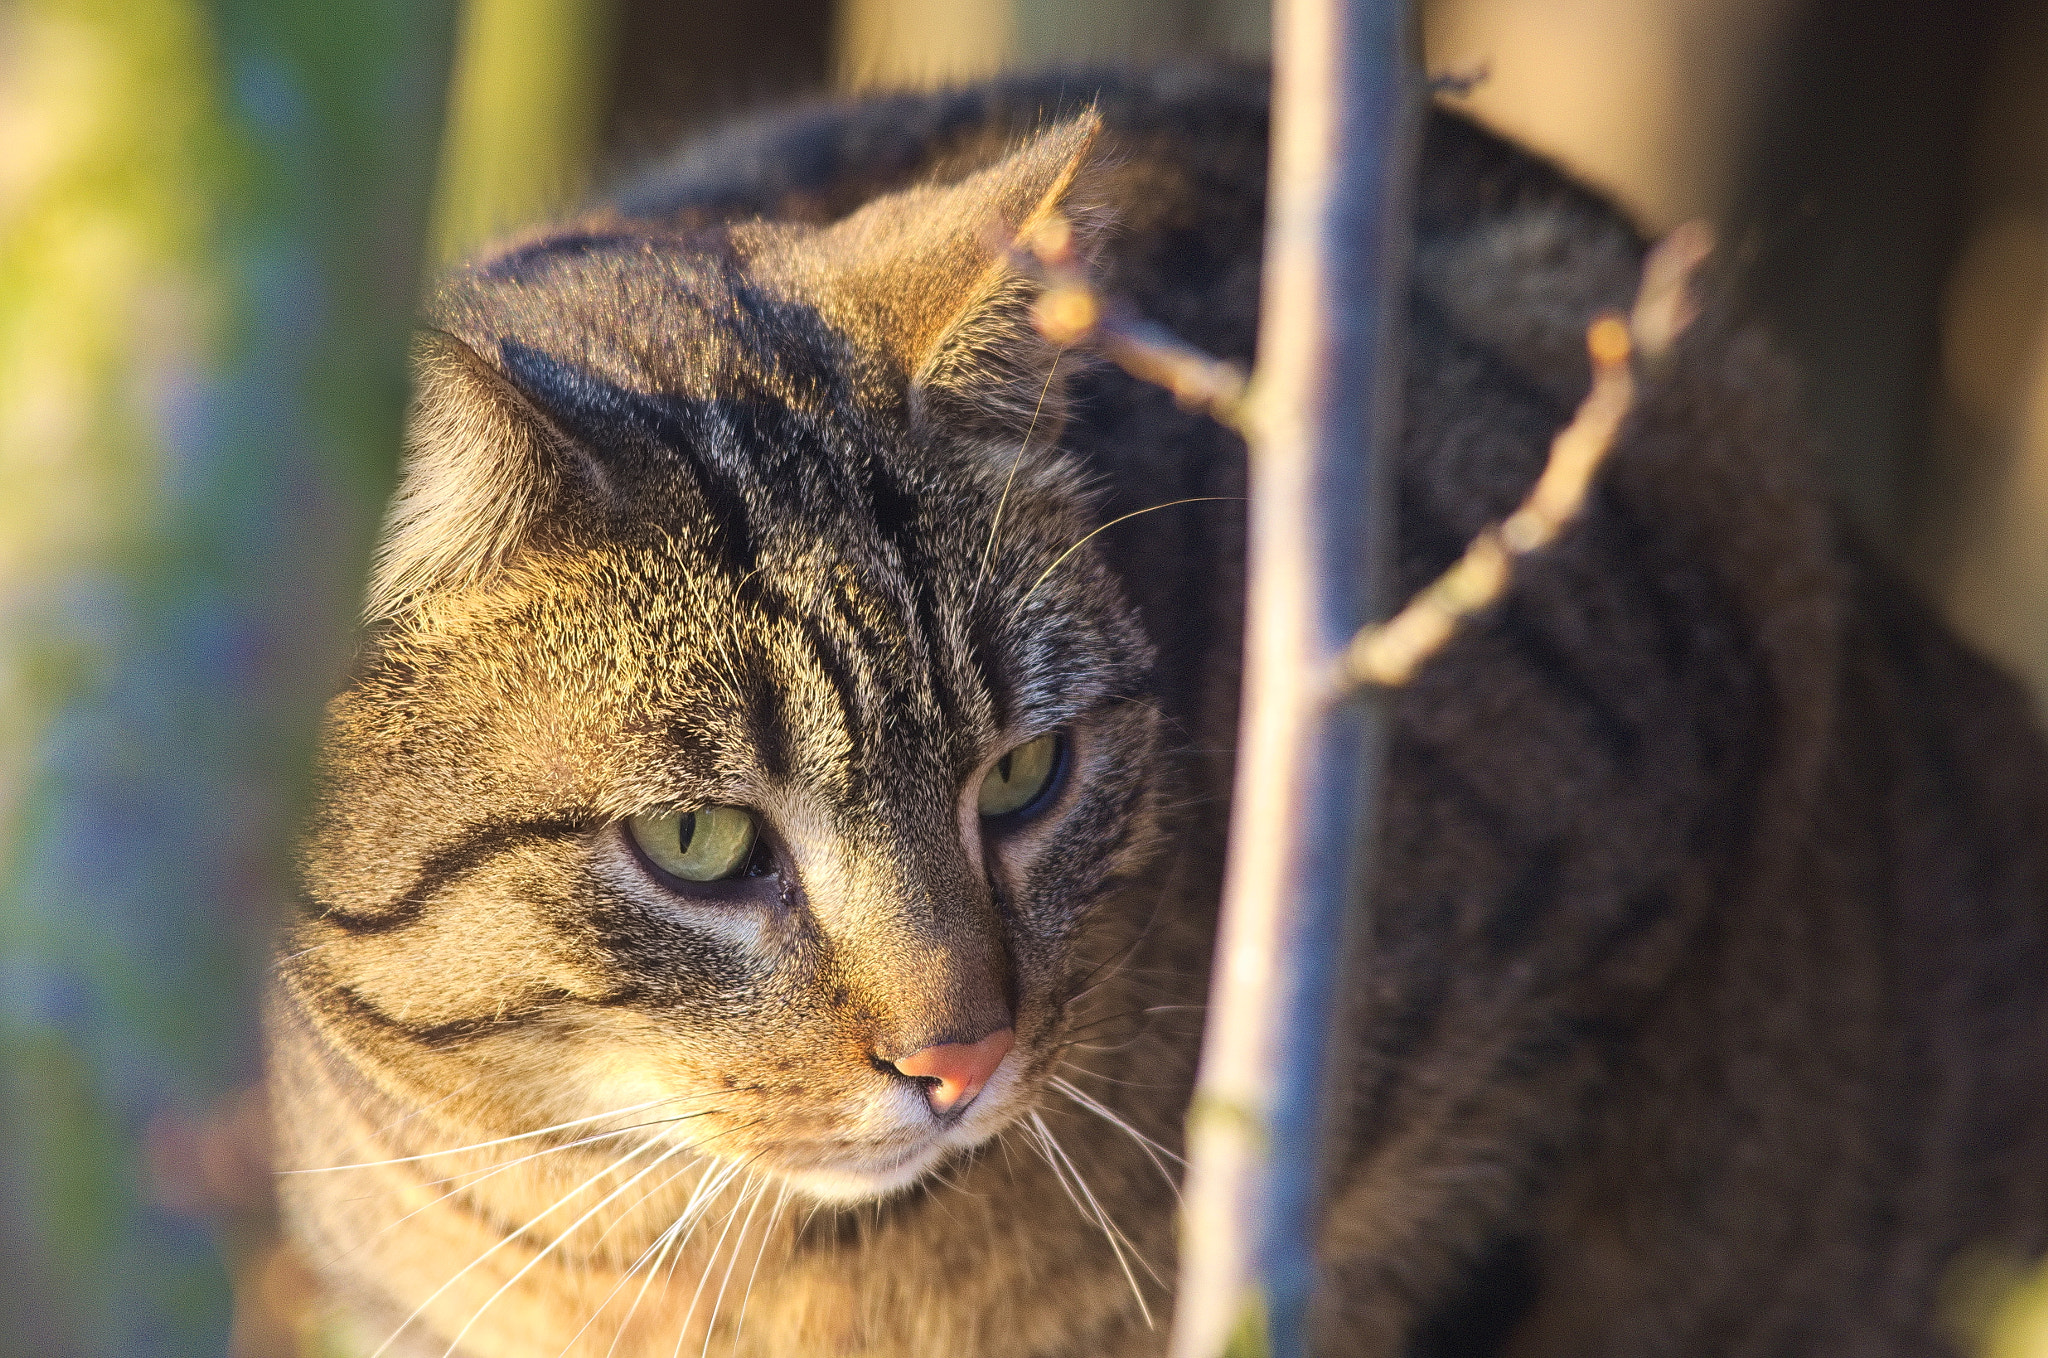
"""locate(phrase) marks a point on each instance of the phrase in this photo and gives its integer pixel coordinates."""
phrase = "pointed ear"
(923, 274)
(481, 467)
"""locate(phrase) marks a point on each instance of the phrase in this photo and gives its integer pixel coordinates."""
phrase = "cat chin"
(852, 1187)
(850, 1183)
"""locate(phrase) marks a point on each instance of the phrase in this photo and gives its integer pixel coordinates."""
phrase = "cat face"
(747, 743)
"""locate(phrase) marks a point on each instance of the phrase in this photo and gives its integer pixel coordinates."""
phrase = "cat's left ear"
(924, 277)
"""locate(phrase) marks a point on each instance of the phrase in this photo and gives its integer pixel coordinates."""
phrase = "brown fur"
(1702, 1008)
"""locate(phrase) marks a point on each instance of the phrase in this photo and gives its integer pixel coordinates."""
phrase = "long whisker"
(668, 1240)
(711, 1262)
(774, 1217)
(1040, 1140)
(1104, 971)
(711, 1181)
(661, 1242)
(693, 1211)
(1153, 1150)
(626, 1215)
(995, 524)
(1077, 1036)
(1082, 1071)
(505, 1240)
(753, 1197)
(500, 1141)
(702, 1197)
(559, 1202)
(493, 1171)
(1118, 1241)
(529, 1265)
(483, 1172)
(1058, 560)
(1114, 1232)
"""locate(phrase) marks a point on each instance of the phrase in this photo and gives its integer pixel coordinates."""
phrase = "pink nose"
(958, 1069)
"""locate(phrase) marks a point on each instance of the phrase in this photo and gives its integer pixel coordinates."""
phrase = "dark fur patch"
(450, 865)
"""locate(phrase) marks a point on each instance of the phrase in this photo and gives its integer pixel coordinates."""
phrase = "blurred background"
(214, 220)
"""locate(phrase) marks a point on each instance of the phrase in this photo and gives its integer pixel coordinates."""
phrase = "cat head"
(744, 738)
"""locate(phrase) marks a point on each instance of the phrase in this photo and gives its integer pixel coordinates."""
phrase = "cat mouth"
(848, 1172)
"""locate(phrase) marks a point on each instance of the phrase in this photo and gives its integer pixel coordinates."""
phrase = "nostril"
(954, 1072)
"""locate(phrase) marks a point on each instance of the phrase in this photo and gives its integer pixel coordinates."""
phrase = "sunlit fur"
(1700, 1006)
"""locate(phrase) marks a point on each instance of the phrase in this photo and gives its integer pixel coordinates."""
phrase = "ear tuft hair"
(481, 466)
(922, 279)
(990, 365)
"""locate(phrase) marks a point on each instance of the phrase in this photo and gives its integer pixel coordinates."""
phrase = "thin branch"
(1388, 654)
(1070, 311)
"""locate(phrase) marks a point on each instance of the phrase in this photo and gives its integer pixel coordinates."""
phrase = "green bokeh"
(210, 227)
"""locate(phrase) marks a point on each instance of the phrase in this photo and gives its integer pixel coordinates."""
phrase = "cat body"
(1700, 1010)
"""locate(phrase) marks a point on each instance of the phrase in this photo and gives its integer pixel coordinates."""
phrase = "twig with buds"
(1388, 653)
(1070, 311)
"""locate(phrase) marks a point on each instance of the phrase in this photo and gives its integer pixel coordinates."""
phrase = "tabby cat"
(762, 895)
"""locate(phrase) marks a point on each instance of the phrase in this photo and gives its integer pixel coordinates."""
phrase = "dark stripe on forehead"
(641, 440)
(938, 660)
(452, 863)
(888, 672)
(731, 548)
(845, 688)
(895, 510)
(767, 720)
(986, 653)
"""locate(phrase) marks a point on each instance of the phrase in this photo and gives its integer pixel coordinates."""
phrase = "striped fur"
(1701, 1009)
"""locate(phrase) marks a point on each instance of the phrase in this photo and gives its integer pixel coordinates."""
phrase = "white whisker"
(661, 1242)
(1153, 1150)
(505, 1240)
(491, 1171)
(1118, 1241)
(1082, 541)
(672, 1239)
(627, 1214)
(774, 1216)
(995, 524)
(488, 1172)
(752, 1196)
(528, 1266)
(711, 1262)
(500, 1141)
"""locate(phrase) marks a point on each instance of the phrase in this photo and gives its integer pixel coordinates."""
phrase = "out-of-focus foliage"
(524, 108)
(2020, 1326)
(1997, 1306)
(209, 227)
(924, 43)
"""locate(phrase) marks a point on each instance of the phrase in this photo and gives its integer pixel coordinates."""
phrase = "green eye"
(1019, 776)
(705, 845)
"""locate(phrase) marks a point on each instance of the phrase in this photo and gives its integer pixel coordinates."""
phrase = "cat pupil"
(1003, 768)
(686, 830)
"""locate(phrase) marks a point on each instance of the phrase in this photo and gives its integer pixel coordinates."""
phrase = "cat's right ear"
(482, 466)
(923, 279)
